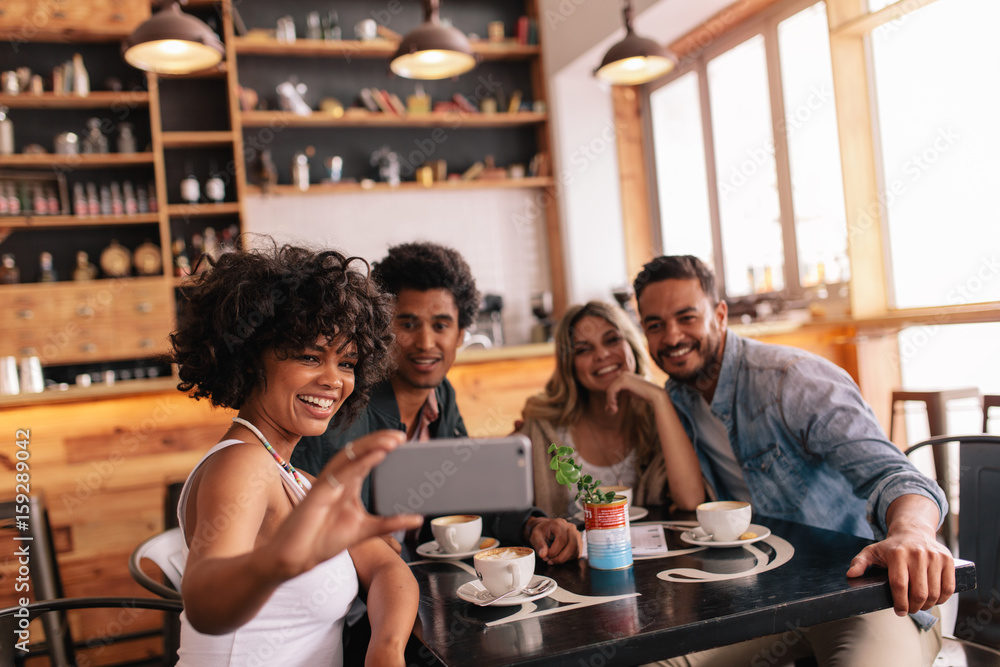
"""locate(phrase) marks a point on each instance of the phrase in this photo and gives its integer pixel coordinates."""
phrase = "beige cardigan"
(550, 496)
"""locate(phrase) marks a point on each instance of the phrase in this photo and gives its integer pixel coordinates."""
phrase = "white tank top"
(302, 622)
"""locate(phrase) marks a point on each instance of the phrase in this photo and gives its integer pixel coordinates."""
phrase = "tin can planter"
(609, 541)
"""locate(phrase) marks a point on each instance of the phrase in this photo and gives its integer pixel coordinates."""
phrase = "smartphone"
(455, 476)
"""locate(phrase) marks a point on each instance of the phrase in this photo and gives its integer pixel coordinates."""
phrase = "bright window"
(938, 111)
(679, 151)
(781, 221)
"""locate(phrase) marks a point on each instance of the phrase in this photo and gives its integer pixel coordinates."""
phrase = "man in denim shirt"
(789, 432)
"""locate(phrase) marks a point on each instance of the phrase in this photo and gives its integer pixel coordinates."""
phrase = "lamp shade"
(635, 59)
(433, 50)
(172, 42)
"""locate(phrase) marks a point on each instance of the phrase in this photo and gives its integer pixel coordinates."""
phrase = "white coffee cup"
(505, 569)
(457, 533)
(725, 520)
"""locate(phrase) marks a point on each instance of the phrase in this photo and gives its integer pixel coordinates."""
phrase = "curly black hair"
(683, 267)
(425, 266)
(278, 299)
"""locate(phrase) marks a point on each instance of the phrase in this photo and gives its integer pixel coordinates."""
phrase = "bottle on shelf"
(6, 132)
(211, 244)
(117, 204)
(105, 201)
(190, 188)
(40, 203)
(48, 274)
(93, 200)
(215, 187)
(300, 171)
(55, 208)
(151, 198)
(141, 200)
(85, 270)
(81, 80)
(128, 195)
(80, 206)
(125, 143)
(331, 26)
(13, 201)
(9, 273)
(314, 29)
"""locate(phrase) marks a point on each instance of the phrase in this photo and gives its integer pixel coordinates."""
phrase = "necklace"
(289, 468)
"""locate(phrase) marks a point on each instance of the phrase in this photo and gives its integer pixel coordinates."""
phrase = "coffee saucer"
(470, 591)
(699, 540)
(634, 513)
(433, 550)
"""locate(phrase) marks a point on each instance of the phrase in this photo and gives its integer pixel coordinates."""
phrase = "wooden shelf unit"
(81, 161)
(36, 221)
(406, 186)
(205, 210)
(376, 48)
(103, 99)
(197, 139)
(276, 119)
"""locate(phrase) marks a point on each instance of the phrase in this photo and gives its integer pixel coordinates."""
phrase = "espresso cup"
(725, 520)
(457, 533)
(505, 569)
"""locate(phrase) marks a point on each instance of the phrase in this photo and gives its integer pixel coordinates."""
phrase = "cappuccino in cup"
(457, 533)
(505, 569)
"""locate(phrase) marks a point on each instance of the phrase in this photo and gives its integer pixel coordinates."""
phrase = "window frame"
(766, 25)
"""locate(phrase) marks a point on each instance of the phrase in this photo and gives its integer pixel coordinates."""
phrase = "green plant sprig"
(568, 473)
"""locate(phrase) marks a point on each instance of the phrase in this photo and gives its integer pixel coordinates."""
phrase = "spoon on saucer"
(529, 591)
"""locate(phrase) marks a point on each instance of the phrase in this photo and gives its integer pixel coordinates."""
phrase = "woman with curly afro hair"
(290, 339)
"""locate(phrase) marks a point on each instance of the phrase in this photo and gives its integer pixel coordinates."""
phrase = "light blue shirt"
(810, 448)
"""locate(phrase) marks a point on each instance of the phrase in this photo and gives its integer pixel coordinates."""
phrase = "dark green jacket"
(382, 412)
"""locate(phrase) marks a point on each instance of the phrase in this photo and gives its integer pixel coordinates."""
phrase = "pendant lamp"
(634, 60)
(173, 42)
(433, 50)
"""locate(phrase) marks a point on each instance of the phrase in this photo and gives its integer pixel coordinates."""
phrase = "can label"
(611, 515)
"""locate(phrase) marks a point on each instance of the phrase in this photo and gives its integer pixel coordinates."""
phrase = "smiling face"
(684, 330)
(427, 336)
(600, 353)
(304, 390)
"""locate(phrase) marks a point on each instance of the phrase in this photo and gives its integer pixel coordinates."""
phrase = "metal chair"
(31, 521)
(989, 401)
(936, 403)
(10, 621)
(166, 551)
(977, 627)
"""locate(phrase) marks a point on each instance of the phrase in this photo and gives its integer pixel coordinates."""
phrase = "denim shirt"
(809, 446)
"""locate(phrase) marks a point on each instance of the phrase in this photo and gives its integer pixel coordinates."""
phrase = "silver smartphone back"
(455, 476)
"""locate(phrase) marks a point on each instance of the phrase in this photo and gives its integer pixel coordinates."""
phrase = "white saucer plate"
(470, 590)
(691, 538)
(433, 550)
(634, 514)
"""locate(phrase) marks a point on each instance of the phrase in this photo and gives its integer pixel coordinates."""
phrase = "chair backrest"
(10, 620)
(989, 401)
(31, 521)
(978, 533)
(166, 550)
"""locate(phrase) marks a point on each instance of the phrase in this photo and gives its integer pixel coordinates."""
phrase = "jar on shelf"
(125, 143)
(94, 141)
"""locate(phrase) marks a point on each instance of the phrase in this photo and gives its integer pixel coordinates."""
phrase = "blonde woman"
(600, 401)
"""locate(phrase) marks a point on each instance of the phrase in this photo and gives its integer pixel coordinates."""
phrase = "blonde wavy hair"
(565, 399)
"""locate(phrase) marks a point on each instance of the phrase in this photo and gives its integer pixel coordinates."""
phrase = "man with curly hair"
(436, 301)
